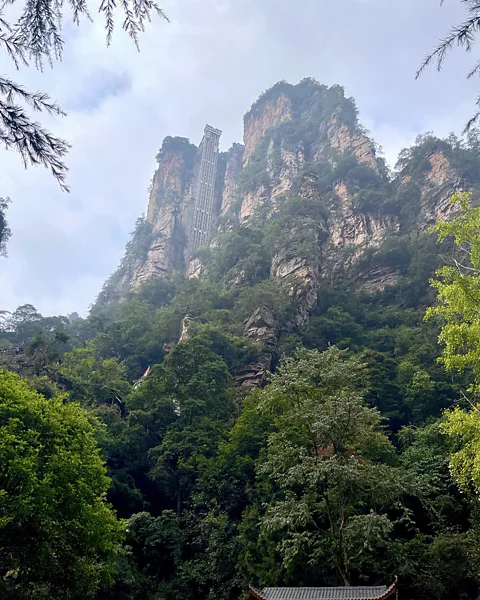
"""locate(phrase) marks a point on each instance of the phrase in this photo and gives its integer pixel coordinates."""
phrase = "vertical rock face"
(167, 207)
(260, 327)
(435, 187)
(269, 111)
(342, 138)
(351, 234)
(230, 194)
(349, 227)
(303, 145)
(296, 138)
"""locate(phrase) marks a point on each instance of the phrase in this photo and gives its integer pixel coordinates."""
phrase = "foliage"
(91, 379)
(36, 37)
(58, 537)
(462, 155)
(296, 229)
(341, 469)
(331, 464)
(308, 106)
(239, 254)
(462, 35)
(178, 145)
(458, 289)
(464, 427)
(301, 94)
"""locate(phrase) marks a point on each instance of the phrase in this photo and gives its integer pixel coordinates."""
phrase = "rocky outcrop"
(292, 163)
(282, 165)
(377, 279)
(195, 269)
(343, 139)
(264, 114)
(252, 201)
(260, 327)
(168, 206)
(438, 186)
(184, 328)
(301, 276)
(162, 254)
(350, 228)
(170, 179)
(233, 172)
(300, 142)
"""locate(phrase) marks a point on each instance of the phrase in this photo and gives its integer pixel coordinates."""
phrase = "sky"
(207, 65)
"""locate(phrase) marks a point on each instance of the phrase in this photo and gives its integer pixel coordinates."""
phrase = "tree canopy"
(58, 537)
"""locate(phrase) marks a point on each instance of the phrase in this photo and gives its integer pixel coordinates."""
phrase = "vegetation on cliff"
(243, 443)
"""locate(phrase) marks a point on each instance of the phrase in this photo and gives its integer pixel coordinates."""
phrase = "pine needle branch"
(37, 36)
(36, 145)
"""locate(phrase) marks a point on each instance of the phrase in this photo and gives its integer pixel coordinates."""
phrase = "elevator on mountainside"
(204, 190)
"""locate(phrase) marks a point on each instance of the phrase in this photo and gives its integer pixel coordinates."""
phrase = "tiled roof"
(324, 593)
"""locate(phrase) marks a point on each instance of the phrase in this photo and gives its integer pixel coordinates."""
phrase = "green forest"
(279, 385)
(357, 459)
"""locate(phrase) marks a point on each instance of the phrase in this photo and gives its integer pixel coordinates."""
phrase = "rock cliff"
(309, 174)
(260, 327)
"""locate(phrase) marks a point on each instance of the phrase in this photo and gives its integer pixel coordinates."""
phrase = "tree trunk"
(179, 500)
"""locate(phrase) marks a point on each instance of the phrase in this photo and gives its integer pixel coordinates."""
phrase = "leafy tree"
(44, 350)
(92, 380)
(199, 385)
(458, 289)
(441, 558)
(464, 427)
(22, 325)
(331, 469)
(58, 538)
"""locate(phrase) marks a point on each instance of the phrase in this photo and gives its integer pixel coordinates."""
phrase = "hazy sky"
(208, 65)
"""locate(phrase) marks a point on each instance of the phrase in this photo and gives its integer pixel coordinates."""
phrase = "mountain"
(259, 374)
(301, 141)
(310, 189)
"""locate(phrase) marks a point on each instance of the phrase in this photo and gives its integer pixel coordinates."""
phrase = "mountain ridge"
(302, 141)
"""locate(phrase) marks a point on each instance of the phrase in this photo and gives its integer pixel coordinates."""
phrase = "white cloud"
(208, 65)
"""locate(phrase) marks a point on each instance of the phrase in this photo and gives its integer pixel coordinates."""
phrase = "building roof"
(377, 592)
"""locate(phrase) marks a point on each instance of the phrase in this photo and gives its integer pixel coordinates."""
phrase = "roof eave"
(255, 593)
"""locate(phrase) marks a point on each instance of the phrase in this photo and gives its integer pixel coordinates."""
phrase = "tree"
(441, 560)
(330, 468)
(58, 538)
(37, 37)
(458, 296)
(463, 36)
(464, 428)
(22, 325)
(93, 380)
(458, 290)
(199, 385)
